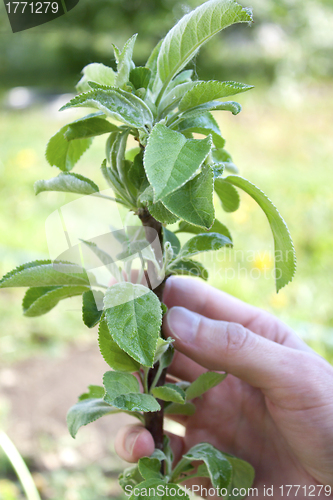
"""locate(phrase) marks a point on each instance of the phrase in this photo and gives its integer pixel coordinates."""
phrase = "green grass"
(286, 149)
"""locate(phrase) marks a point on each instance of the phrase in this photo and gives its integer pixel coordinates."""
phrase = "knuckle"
(237, 338)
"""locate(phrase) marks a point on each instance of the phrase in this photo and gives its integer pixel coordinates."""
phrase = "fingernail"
(183, 323)
(130, 441)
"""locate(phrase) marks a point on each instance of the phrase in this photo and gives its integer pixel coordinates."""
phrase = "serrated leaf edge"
(47, 294)
(23, 267)
(72, 174)
(287, 229)
(226, 83)
(210, 141)
(95, 418)
(160, 324)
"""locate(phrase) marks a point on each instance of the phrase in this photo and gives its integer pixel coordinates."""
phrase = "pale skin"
(274, 409)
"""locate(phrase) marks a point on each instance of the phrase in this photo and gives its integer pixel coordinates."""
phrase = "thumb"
(230, 347)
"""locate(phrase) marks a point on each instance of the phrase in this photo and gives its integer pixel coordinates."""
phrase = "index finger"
(207, 301)
(202, 298)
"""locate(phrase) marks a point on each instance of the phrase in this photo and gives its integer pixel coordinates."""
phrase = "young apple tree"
(168, 179)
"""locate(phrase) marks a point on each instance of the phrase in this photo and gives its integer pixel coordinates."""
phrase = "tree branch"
(154, 420)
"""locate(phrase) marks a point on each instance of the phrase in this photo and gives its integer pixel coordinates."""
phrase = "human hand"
(274, 409)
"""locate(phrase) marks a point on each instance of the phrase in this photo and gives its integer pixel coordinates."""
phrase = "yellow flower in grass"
(278, 300)
(26, 158)
(263, 260)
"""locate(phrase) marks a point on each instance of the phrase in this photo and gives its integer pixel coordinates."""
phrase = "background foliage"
(290, 38)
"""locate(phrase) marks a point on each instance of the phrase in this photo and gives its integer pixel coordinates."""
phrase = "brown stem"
(154, 420)
(148, 221)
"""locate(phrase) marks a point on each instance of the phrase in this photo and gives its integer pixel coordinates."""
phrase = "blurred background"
(282, 141)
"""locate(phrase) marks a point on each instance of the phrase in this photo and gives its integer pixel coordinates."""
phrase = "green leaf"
(113, 181)
(119, 384)
(162, 214)
(169, 392)
(176, 492)
(162, 345)
(89, 126)
(170, 159)
(242, 476)
(146, 490)
(64, 154)
(67, 182)
(117, 104)
(151, 64)
(139, 77)
(210, 91)
(132, 153)
(157, 489)
(150, 468)
(222, 158)
(165, 352)
(204, 124)
(232, 106)
(188, 267)
(94, 391)
(86, 411)
(193, 202)
(123, 392)
(95, 72)
(90, 313)
(228, 195)
(192, 31)
(172, 239)
(217, 227)
(203, 383)
(103, 256)
(133, 314)
(168, 452)
(164, 308)
(219, 468)
(115, 150)
(111, 149)
(183, 77)
(136, 174)
(157, 210)
(187, 409)
(117, 52)
(130, 477)
(125, 63)
(105, 259)
(122, 164)
(173, 97)
(135, 243)
(201, 471)
(203, 243)
(115, 357)
(285, 259)
(41, 299)
(218, 170)
(45, 273)
(137, 402)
